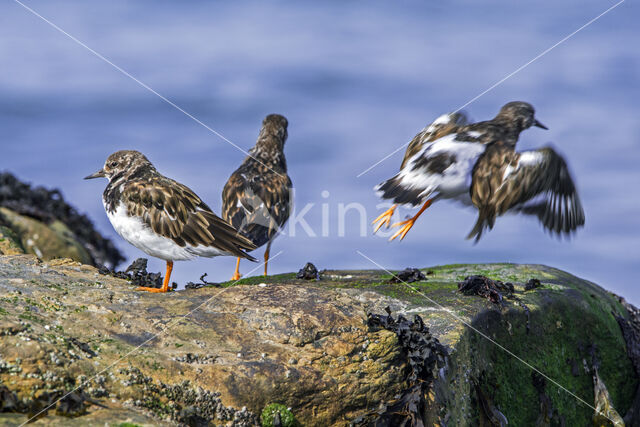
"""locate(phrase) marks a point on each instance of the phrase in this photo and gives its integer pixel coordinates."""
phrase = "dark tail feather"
(229, 239)
(485, 220)
(393, 189)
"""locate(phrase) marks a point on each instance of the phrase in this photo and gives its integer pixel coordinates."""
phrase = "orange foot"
(384, 219)
(154, 290)
(236, 276)
(165, 283)
(406, 225)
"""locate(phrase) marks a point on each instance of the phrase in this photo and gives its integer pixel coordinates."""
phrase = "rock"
(9, 241)
(48, 207)
(45, 241)
(221, 355)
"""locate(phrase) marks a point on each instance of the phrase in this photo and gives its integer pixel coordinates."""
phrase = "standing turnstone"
(257, 197)
(441, 163)
(162, 217)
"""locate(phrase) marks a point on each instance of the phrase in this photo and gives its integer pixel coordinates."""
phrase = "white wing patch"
(529, 158)
(507, 171)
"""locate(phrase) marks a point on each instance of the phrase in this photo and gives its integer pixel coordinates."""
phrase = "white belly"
(135, 231)
(455, 181)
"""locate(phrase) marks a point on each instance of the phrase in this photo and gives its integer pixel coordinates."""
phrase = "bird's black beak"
(540, 125)
(99, 174)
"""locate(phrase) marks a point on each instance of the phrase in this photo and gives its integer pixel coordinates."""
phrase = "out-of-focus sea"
(356, 81)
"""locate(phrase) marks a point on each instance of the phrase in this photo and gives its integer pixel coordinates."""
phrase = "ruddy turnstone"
(162, 217)
(443, 125)
(257, 197)
(440, 164)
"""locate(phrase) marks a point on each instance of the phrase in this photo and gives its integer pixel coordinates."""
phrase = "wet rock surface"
(37, 210)
(222, 355)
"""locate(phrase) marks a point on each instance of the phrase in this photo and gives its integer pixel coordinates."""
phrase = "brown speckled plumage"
(257, 197)
(169, 208)
(432, 132)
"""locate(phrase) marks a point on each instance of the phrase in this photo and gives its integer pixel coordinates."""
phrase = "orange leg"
(165, 284)
(385, 218)
(406, 225)
(266, 257)
(236, 275)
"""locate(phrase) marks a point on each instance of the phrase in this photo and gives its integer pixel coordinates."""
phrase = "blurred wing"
(442, 126)
(174, 211)
(532, 182)
(257, 206)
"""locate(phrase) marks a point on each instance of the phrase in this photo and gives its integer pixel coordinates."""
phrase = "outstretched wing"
(174, 211)
(534, 182)
(257, 204)
(442, 126)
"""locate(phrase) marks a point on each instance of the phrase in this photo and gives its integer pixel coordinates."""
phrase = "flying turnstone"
(443, 125)
(442, 167)
(162, 217)
(257, 197)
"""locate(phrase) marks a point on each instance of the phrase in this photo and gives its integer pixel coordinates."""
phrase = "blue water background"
(356, 80)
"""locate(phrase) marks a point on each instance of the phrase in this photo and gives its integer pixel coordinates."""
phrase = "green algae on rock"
(220, 355)
(276, 414)
(44, 241)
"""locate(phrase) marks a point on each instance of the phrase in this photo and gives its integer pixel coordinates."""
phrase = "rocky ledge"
(286, 351)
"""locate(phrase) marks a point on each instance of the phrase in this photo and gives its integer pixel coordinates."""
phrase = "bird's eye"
(113, 164)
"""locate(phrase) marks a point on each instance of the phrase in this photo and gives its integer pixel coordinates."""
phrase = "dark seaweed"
(308, 272)
(408, 275)
(203, 283)
(493, 290)
(49, 205)
(424, 355)
(137, 274)
(532, 284)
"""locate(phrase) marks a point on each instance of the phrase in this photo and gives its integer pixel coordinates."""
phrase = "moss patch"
(270, 412)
